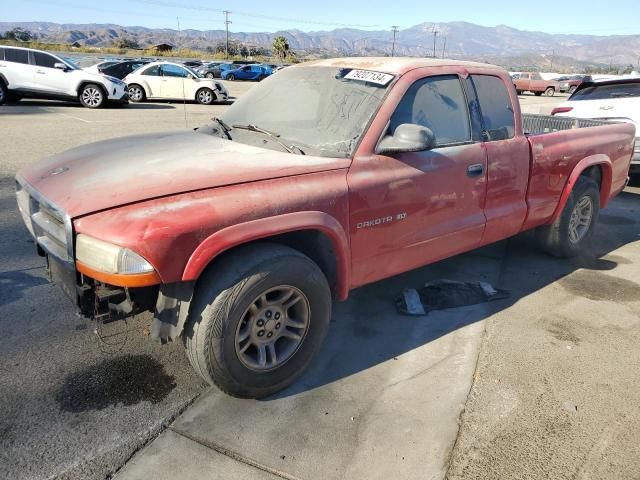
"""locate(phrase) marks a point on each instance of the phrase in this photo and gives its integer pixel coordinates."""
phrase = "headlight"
(108, 258)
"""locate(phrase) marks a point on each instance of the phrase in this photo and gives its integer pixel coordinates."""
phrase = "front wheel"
(231, 77)
(92, 96)
(572, 90)
(549, 92)
(205, 96)
(257, 319)
(209, 75)
(136, 93)
(573, 229)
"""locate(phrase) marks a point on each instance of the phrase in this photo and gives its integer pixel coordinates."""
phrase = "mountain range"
(500, 44)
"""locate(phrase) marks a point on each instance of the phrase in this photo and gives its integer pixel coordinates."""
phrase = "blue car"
(246, 72)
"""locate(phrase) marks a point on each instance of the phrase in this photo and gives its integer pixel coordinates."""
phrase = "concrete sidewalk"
(382, 400)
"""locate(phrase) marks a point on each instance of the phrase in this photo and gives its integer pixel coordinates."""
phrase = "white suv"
(25, 72)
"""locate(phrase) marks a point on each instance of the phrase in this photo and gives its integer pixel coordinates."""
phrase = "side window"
(152, 71)
(439, 104)
(246, 69)
(525, 76)
(174, 71)
(44, 60)
(536, 76)
(16, 56)
(1, 53)
(497, 112)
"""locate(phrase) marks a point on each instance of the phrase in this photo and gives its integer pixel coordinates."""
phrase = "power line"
(163, 3)
(395, 30)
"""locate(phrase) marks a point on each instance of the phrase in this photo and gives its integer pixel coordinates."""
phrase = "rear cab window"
(498, 117)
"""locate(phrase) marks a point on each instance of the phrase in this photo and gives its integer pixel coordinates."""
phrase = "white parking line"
(67, 115)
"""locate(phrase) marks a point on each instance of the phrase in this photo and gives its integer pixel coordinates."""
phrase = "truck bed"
(539, 124)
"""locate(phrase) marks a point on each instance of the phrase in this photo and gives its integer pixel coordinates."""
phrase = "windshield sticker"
(378, 78)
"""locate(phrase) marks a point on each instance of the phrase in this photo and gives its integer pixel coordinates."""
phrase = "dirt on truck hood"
(125, 170)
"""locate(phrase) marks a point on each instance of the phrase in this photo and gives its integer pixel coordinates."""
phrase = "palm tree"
(280, 47)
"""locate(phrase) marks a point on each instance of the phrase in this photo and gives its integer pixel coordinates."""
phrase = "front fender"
(601, 160)
(264, 228)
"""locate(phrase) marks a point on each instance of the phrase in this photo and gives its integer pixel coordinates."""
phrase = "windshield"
(608, 91)
(315, 108)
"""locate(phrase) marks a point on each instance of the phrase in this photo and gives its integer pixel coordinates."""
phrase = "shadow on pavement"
(367, 330)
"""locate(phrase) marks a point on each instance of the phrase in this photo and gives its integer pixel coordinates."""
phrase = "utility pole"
(435, 34)
(553, 54)
(226, 25)
(394, 29)
(638, 66)
(444, 47)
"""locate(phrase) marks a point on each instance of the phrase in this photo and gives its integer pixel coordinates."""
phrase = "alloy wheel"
(272, 328)
(581, 218)
(92, 96)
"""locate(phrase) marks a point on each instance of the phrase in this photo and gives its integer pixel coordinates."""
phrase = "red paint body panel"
(559, 156)
(383, 214)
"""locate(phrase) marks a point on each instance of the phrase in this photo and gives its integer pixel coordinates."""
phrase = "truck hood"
(121, 171)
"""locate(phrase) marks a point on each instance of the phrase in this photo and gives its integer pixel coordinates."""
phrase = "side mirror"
(407, 137)
(60, 66)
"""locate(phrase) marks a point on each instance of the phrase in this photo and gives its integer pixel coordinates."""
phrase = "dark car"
(214, 69)
(122, 69)
(192, 63)
(571, 83)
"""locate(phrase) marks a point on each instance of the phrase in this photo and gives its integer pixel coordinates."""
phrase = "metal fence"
(537, 124)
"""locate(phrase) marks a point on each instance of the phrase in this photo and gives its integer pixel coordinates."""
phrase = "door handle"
(40, 71)
(475, 170)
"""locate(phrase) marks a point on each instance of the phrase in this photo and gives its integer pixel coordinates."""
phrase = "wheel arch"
(599, 168)
(84, 83)
(316, 234)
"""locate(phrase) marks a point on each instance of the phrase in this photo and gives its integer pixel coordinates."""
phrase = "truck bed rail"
(538, 124)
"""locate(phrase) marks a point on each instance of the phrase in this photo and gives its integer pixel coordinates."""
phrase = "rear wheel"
(257, 320)
(572, 231)
(136, 93)
(549, 92)
(231, 77)
(92, 96)
(4, 94)
(205, 96)
(572, 90)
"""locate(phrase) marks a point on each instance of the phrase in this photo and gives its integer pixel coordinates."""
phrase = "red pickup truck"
(325, 177)
(534, 83)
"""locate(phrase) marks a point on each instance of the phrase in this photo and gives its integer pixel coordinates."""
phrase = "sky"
(584, 17)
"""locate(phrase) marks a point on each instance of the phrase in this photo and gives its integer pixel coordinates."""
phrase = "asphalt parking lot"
(544, 384)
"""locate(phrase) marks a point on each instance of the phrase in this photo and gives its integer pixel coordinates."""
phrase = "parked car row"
(235, 71)
(33, 73)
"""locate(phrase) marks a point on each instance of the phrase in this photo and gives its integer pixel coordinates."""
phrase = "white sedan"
(172, 81)
(616, 100)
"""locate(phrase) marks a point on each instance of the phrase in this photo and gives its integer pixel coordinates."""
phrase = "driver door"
(410, 209)
(176, 82)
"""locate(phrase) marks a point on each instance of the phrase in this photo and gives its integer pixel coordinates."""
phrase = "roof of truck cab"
(394, 65)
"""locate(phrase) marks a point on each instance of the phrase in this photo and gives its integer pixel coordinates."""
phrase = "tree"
(126, 43)
(244, 51)
(19, 34)
(280, 47)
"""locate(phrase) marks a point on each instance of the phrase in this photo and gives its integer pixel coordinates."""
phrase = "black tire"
(550, 92)
(537, 94)
(519, 92)
(221, 305)
(209, 75)
(4, 93)
(572, 90)
(205, 96)
(555, 238)
(92, 96)
(231, 77)
(136, 93)
(13, 98)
